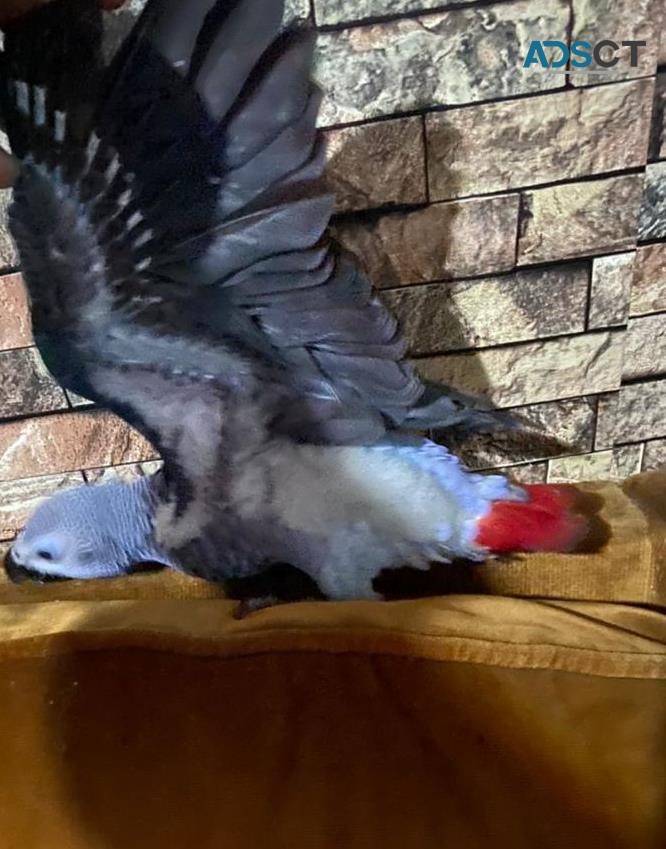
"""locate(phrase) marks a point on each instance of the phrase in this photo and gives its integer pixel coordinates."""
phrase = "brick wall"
(515, 221)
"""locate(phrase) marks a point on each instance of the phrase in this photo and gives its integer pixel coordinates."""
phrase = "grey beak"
(18, 574)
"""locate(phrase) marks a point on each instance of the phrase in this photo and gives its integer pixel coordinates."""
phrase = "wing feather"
(171, 217)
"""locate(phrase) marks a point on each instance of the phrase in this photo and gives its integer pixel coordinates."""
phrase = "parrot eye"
(49, 550)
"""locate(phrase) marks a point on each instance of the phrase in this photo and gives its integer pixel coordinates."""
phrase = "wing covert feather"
(189, 173)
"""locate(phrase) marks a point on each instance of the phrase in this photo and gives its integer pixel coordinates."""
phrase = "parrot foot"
(278, 583)
(252, 605)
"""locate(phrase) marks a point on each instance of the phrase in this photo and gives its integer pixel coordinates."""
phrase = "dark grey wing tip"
(443, 408)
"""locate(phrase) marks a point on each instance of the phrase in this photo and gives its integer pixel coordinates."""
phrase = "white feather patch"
(337, 487)
(60, 128)
(93, 147)
(143, 239)
(22, 97)
(406, 495)
(112, 169)
(134, 219)
(39, 95)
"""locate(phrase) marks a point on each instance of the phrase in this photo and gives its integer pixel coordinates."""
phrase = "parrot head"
(87, 532)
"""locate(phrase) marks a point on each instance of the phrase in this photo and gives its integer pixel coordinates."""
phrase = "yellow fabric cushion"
(157, 721)
(459, 722)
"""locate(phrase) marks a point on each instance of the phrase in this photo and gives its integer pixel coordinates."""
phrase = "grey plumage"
(172, 226)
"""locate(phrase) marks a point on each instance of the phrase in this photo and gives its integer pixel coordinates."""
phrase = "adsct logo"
(552, 56)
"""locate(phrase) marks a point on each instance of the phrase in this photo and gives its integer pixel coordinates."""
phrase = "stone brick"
(126, 473)
(459, 56)
(654, 454)
(658, 136)
(440, 242)
(8, 254)
(652, 222)
(544, 430)
(579, 219)
(331, 12)
(626, 461)
(15, 329)
(562, 135)
(377, 164)
(492, 310)
(610, 290)
(648, 287)
(607, 407)
(645, 347)
(26, 386)
(77, 401)
(615, 464)
(527, 472)
(620, 20)
(68, 442)
(585, 467)
(534, 371)
(19, 498)
(641, 412)
(296, 9)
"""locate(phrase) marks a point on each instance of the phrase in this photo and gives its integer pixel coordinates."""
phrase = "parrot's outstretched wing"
(171, 222)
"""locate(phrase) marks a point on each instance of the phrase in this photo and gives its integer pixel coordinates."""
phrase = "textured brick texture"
(611, 289)
(622, 20)
(394, 169)
(444, 58)
(514, 220)
(648, 290)
(441, 241)
(543, 139)
(580, 219)
(535, 371)
(15, 329)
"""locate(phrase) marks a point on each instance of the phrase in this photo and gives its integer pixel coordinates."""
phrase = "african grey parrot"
(172, 228)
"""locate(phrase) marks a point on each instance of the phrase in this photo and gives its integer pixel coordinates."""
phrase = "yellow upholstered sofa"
(526, 710)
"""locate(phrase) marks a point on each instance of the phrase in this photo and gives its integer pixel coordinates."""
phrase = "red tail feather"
(544, 523)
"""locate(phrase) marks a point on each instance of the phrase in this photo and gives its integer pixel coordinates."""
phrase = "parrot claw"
(247, 606)
(252, 605)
